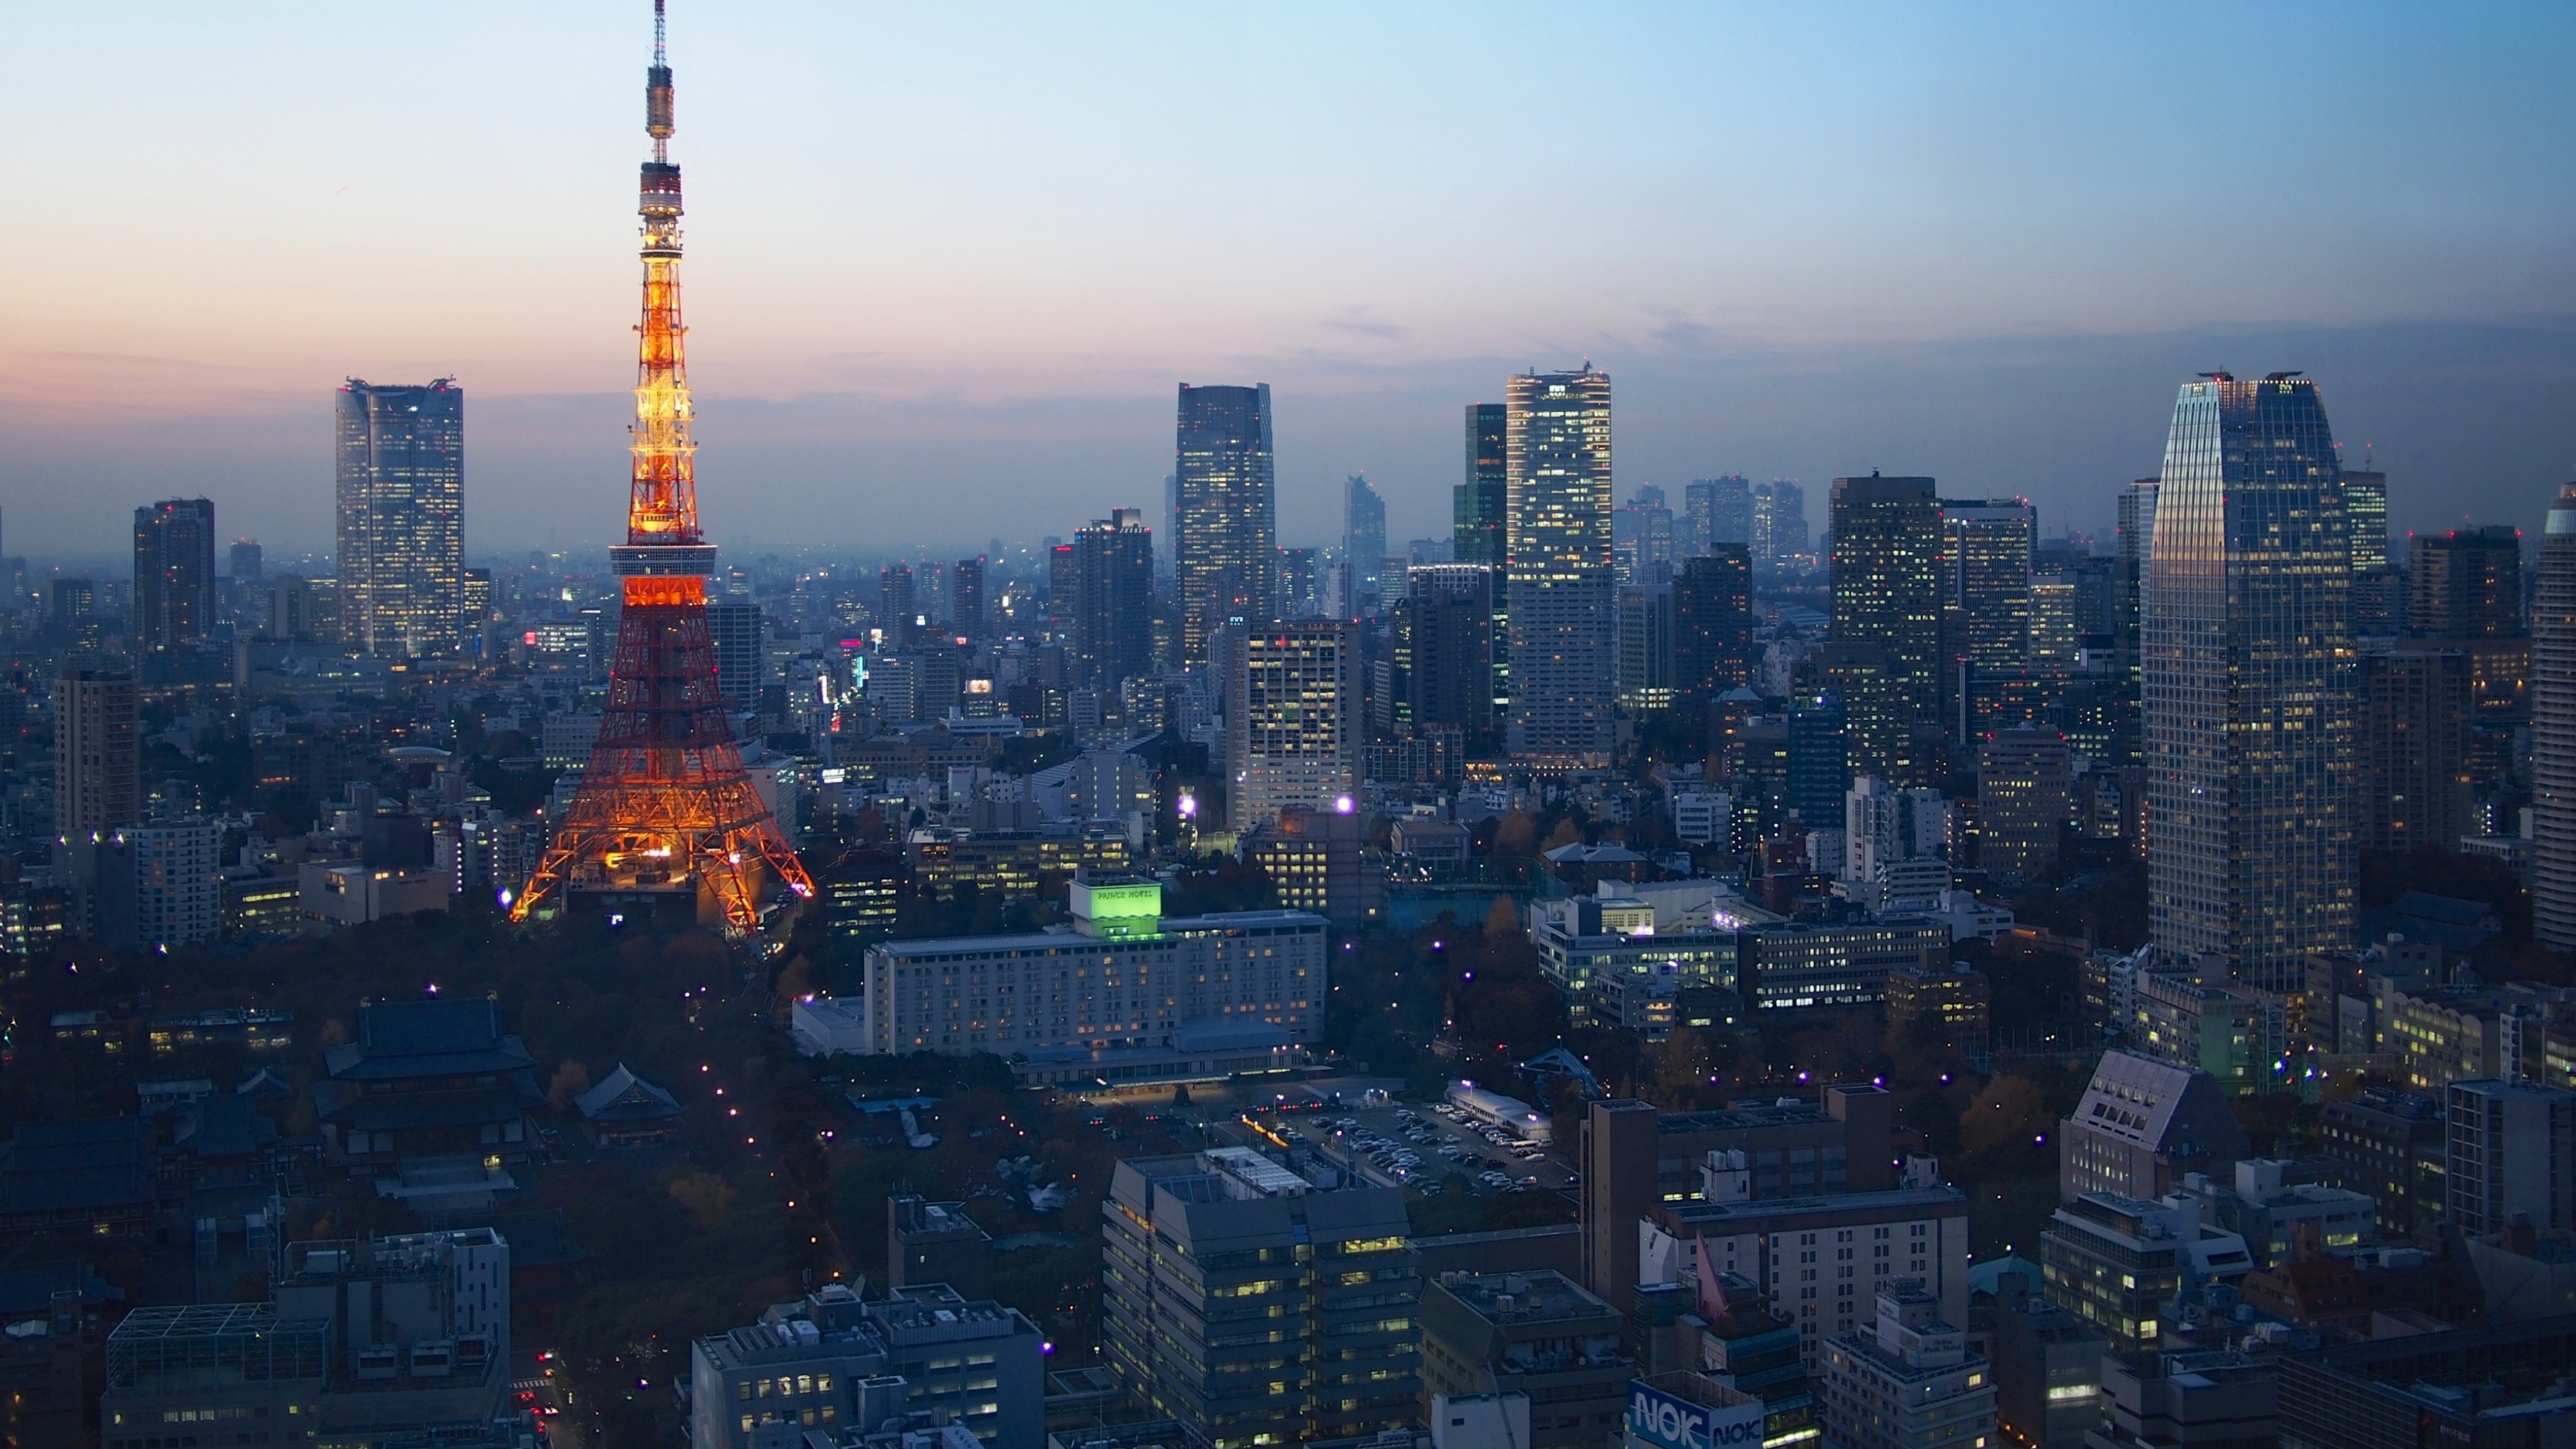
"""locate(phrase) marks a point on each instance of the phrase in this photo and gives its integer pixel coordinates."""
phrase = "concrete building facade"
(1907, 1381)
(1125, 977)
(1242, 1300)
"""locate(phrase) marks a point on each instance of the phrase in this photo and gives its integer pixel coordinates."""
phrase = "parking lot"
(1421, 1147)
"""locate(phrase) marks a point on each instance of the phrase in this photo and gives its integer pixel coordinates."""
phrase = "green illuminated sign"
(1126, 900)
(1120, 910)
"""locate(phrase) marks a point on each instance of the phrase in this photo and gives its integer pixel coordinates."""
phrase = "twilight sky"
(947, 264)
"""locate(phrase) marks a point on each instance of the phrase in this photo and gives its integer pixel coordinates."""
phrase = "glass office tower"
(1561, 595)
(401, 517)
(1713, 623)
(1112, 599)
(174, 572)
(1886, 622)
(2365, 510)
(1720, 511)
(1363, 547)
(1887, 575)
(1224, 514)
(1779, 523)
(2553, 730)
(1444, 640)
(2248, 683)
(1481, 526)
(1483, 496)
(1985, 582)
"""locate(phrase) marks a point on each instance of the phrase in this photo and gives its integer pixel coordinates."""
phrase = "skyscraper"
(896, 607)
(174, 573)
(1641, 539)
(248, 598)
(2248, 683)
(98, 780)
(1483, 498)
(2466, 584)
(2413, 701)
(2055, 620)
(401, 517)
(1690, 526)
(291, 610)
(1886, 730)
(75, 601)
(1819, 760)
(477, 605)
(966, 601)
(1713, 623)
(1444, 629)
(2025, 778)
(1985, 584)
(1645, 667)
(1887, 602)
(1720, 511)
(1779, 523)
(2137, 533)
(1887, 572)
(2465, 589)
(2378, 602)
(2365, 511)
(1560, 592)
(2553, 730)
(1291, 707)
(1363, 546)
(1298, 578)
(1063, 588)
(733, 626)
(1224, 515)
(1113, 599)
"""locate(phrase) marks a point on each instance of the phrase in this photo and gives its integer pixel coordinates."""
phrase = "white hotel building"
(1123, 987)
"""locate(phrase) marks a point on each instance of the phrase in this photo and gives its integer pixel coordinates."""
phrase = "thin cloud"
(1362, 321)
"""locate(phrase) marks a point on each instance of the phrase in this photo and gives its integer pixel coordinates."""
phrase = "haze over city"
(1621, 727)
(967, 257)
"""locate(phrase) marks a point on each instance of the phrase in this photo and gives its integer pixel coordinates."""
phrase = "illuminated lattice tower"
(666, 813)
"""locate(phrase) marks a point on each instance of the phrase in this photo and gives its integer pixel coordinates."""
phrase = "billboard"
(1658, 1420)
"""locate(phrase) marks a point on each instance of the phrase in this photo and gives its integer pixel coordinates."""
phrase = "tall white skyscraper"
(2248, 677)
(401, 517)
(1561, 593)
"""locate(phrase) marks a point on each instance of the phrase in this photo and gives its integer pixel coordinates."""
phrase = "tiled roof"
(622, 1096)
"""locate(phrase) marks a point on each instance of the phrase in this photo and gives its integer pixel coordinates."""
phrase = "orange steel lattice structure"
(665, 806)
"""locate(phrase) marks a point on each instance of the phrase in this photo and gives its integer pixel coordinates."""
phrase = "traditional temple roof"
(622, 1096)
(398, 1039)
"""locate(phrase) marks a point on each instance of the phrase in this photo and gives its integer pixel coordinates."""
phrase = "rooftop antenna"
(657, 95)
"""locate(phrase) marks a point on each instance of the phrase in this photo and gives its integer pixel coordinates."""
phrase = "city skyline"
(1801, 900)
(1761, 330)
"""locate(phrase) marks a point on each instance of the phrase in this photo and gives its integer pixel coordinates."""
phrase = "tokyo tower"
(666, 817)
